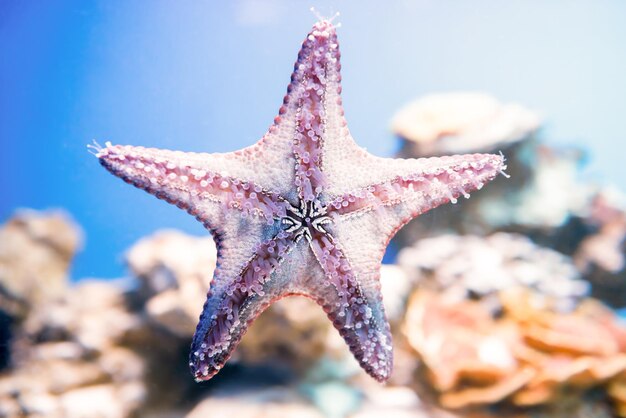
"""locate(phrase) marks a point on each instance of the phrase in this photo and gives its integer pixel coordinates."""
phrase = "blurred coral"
(499, 323)
(601, 255)
(71, 358)
(175, 272)
(87, 350)
(454, 123)
(543, 198)
(617, 392)
(260, 404)
(293, 332)
(472, 265)
(530, 355)
(51, 239)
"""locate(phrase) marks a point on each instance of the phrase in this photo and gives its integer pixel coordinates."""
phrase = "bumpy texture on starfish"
(306, 178)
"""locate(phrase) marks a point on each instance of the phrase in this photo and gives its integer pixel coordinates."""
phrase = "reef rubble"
(503, 306)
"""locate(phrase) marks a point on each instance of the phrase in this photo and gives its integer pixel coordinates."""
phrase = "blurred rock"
(553, 195)
(279, 403)
(400, 402)
(293, 332)
(601, 255)
(101, 401)
(92, 313)
(170, 259)
(41, 405)
(457, 123)
(175, 271)
(466, 340)
(472, 265)
(77, 388)
(174, 313)
(335, 399)
(543, 198)
(617, 392)
(123, 365)
(60, 333)
(395, 286)
(69, 359)
(465, 123)
(36, 249)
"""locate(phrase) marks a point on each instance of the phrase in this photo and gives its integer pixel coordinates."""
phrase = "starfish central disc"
(302, 221)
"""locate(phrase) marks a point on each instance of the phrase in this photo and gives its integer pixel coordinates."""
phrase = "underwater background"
(509, 304)
(209, 76)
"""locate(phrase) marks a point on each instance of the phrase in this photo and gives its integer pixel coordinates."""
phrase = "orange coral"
(454, 341)
(617, 392)
(530, 355)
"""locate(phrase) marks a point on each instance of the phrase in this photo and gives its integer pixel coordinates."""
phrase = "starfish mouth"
(310, 216)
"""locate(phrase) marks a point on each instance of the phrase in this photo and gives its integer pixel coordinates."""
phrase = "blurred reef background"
(509, 304)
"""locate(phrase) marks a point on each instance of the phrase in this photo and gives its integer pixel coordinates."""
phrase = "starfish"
(304, 211)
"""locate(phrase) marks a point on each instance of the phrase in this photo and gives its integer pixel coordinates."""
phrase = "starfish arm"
(352, 300)
(234, 301)
(422, 184)
(192, 181)
(315, 71)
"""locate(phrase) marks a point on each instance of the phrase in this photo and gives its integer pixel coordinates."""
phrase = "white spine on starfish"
(182, 179)
(429, 183)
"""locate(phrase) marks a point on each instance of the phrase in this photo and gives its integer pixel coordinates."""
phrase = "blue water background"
(210, 76)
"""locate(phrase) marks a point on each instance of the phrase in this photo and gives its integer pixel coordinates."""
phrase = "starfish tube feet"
(356, 312)
(232, 305)
(186, 182)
